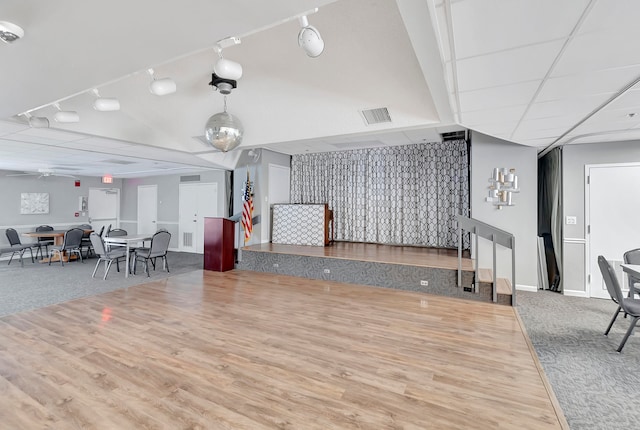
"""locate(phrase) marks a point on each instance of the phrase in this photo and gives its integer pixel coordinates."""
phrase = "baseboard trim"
(575, 293)
(531, 288)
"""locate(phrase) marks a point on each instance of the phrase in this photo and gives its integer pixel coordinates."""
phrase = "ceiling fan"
(42, 173)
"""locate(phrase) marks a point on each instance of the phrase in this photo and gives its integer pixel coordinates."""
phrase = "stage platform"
(412, 268)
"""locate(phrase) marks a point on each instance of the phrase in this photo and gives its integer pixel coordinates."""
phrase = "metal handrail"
(497, 237)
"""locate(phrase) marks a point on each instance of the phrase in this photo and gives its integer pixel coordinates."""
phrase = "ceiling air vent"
(454, 135)
(376, 116)
(190, 178)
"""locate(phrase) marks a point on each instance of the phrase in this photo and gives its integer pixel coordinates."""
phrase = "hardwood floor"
(412, 255)
(247, 350)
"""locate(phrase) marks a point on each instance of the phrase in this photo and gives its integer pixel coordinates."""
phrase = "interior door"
(104, 207)
(613, 195)
(197, 201)
(147, 209)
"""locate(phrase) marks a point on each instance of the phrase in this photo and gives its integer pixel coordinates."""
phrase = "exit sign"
(107, 179)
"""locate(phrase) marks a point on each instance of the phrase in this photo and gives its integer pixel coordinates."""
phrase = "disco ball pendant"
(223, 131)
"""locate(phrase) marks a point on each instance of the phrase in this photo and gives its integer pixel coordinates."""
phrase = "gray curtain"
(550, 205)
(403, 195)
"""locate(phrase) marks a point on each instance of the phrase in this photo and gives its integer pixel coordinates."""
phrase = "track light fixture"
(309, 38)
(225, 72)
(65, 116)
(37, 121)
(10, 32)
(103, 104)
(161, 87)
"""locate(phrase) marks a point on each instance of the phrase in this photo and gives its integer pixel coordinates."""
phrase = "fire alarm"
(77, 214)
(77, 182)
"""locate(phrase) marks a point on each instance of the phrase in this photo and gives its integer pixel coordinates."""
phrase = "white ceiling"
(538, 73)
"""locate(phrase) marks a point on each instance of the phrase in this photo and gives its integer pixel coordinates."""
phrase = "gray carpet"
(596, 386)
(37, 285)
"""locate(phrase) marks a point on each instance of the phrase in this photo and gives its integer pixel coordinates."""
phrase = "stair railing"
(497, 237)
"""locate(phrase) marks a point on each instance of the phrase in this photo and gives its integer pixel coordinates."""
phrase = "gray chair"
(86, 243)
(107, 256)
(633, 257)
(157, 249)
(70, 245)
(45, 241)
(17, 246)
(626, 305)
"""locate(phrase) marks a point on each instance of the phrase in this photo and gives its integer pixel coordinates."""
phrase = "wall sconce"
(502, 184)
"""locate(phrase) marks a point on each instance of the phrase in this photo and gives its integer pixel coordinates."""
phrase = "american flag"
(247, 209)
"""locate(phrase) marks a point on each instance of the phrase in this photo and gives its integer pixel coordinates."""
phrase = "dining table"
(126, 241)
(58, 239)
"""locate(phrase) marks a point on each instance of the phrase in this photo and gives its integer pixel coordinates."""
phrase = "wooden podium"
(218, 244)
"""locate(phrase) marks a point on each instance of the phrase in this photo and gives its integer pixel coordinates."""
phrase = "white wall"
(521, 220)
(574, 159)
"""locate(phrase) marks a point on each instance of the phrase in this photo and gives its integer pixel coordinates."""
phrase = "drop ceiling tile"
(539, 134)
(502, 130)
(482, 27)
(629, 101)
(560, 122)
(581, 106)
(612, 16)
(599, 51)
(497, 97)
(511, 114)
(524, 64)
(607, 81)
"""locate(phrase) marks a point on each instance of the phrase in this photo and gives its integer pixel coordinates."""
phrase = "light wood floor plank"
(246, 350)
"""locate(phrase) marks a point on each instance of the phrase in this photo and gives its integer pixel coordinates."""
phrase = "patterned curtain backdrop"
(403, 195)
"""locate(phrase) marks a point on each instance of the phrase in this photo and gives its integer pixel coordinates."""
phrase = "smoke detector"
(9, 32)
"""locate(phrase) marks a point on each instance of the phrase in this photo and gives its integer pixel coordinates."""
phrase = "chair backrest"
(632, 257)
(45, 228)
(73, 238)
(611, 281)
(159, 244)
(116, 232)
(85, 227)
(98, 244)
(101, 231)
(12, 236)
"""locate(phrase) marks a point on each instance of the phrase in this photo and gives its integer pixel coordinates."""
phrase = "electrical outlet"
(327, 271)
(424, 283)
(572, 220)
(276, 265)
(468, 289)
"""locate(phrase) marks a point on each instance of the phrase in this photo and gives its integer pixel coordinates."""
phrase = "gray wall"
(574, 159)
(168, 200)
(63, 201)
(522, 219)
(259, 174)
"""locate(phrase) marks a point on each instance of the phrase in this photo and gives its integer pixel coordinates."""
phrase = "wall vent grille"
(187, 239)
(376, 116)
(190, 178)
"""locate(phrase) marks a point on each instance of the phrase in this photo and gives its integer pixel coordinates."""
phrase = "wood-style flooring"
(246, 350)
(411, 255)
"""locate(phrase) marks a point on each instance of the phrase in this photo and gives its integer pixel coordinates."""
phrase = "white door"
(197, 201)
(104, 207)
(279, 192)
(613, 205)
(147, 209)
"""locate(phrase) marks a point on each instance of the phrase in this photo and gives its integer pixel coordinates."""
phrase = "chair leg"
(31, 252)
(96, 268)
(628, 333)
(11, 258)
(107, 266)
(613, 320)
(165, 262)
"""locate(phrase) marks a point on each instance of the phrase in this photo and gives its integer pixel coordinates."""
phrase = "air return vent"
(454, 135)
(190, 178)
(376, 116)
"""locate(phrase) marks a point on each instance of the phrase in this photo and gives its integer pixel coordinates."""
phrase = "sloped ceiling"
(538, 73)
